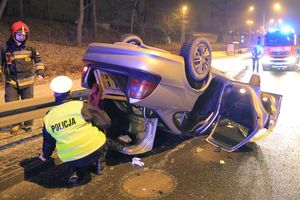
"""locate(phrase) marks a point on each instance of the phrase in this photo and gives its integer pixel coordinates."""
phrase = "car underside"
(144, 89)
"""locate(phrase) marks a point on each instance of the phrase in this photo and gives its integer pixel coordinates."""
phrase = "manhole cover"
(148, 183)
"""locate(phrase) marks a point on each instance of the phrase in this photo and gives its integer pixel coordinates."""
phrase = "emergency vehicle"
(280, 50)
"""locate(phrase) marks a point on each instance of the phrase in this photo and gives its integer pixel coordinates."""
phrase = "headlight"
(291, 59)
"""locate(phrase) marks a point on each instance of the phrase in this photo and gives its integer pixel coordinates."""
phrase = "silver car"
(145, 88)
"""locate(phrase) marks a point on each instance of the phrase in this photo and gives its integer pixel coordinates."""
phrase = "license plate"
(279, 66)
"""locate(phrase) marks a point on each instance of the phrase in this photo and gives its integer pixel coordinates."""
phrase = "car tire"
(131, 39)
(197, 58)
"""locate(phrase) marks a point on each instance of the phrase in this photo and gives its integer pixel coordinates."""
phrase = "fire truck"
(280, 50)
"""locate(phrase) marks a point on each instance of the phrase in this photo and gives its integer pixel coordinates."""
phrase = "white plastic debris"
(137, 161)
(125, 138)
(222, 162)
(199, 149)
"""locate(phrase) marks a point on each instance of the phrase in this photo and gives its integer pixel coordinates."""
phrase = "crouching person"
(76, 130)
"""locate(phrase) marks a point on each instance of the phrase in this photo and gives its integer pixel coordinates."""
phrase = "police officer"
(19, 64)
(256, 54)
(76, 129)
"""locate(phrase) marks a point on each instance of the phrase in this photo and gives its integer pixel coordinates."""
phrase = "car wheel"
(197, 58)
(131, 39)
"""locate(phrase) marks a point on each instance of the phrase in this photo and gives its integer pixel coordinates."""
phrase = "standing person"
(256, 54)
(19, 63)
(76, 129)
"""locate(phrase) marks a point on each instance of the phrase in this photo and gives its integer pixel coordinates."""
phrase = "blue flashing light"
(284, 29)
(287, 29)
(272, 30)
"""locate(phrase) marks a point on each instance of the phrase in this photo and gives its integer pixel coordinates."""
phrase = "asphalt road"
(190, 168)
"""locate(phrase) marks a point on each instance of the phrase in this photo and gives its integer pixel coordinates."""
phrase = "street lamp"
(277, 6)
(252, 8)
(249, 22)
(184, 9)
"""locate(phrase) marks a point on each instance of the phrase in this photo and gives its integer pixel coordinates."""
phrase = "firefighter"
(19, 64)
(76, 129)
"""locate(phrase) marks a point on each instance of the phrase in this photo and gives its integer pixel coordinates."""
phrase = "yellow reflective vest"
(75, 137)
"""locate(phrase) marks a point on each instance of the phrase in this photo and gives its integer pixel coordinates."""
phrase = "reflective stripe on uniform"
(20, 56)
(39, 65)
(22, 52)
(22, 82)
(75, 137)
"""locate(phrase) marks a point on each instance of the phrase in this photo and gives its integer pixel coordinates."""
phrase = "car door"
(244, 112)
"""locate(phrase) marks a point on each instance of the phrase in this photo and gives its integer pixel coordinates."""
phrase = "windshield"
(276, 39)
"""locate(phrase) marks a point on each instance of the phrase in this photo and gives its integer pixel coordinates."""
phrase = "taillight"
(85, 68)
(85, 82)
(140, 88)
(84, 72)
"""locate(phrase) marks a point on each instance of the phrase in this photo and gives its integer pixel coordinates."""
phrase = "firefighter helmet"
(19, 26)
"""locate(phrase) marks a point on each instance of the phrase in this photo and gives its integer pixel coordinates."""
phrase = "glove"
(39, 77)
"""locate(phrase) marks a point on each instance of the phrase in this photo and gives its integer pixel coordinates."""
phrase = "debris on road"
(199, 149)
(222, 162)
(217, 149)
(137, 161)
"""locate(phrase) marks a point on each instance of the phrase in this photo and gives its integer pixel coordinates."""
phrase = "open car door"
(244, 112)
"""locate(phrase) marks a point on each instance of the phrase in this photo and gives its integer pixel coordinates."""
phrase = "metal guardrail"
(19, 111)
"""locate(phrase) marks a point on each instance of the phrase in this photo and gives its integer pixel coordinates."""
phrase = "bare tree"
(21, 9)
(167, 24)
(223, 17)
(132, 16)
(141, 17)
(94, 13)
(2, 7)
(49, 11)
(80, 22)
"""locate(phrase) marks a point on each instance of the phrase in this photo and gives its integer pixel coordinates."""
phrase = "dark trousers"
(255, 63)
(14, 94)
(96, 156)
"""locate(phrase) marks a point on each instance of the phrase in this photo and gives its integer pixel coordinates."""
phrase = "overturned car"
(146, 88)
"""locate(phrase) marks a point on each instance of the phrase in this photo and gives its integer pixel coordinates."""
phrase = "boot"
(99, 168)
(74, 178)
(26, 128)
(15, 128)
